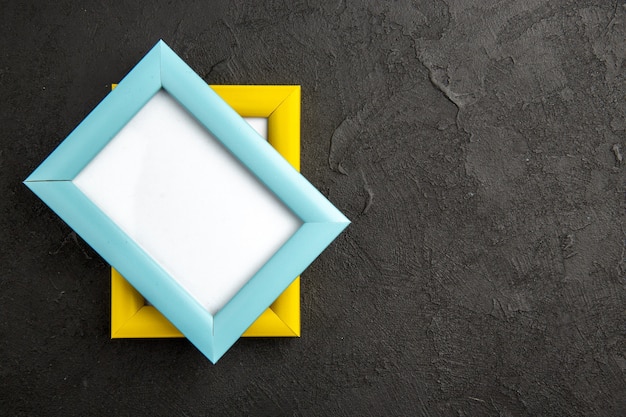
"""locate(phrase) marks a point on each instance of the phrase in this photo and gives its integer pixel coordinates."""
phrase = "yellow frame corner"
(131, 317)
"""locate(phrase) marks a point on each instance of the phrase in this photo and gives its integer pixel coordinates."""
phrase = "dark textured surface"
(478, 150)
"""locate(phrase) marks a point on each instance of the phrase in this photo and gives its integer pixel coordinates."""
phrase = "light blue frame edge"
(162, 68)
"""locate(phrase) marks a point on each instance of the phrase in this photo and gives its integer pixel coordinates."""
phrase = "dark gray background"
(476, 149)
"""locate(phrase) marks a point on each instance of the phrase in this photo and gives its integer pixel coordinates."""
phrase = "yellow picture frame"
(132, 317)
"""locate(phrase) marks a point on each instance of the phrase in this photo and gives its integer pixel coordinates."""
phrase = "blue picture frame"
(160, 69)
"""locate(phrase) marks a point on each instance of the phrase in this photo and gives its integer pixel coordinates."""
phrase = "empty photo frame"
(156, 179)
(279, 108)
